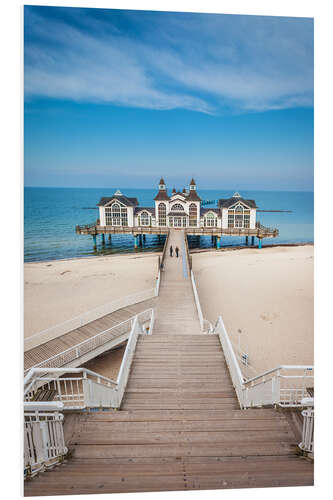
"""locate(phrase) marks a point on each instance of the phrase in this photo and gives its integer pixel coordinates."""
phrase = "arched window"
(116, 215)
(193, 212)
(239, 216)
(177, 206)
(162, 214)
(210, 219)
(144, 219)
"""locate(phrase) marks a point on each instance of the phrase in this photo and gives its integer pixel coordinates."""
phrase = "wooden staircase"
(180, 428)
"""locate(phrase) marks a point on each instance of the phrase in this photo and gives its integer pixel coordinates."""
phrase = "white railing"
(308, 426)
(158, 282)
(285, 385)
(205, 325)
(44, 443)
(82, 319)
(79, 388)
(231, 360)
(98, 340)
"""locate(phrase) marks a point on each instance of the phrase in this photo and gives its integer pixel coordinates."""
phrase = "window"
(210, 220)
(144, 219)
(193, 211)
(177, 206)
(162, 214)
(116, 215)
(239, 217)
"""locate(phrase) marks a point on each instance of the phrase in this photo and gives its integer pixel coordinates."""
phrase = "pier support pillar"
(144, 239)
(110, 239)
(246, 240)
(259, 242)
(103, 239)
(140, 240)
(159, 238)
(218, 242)
(95, 241)
(135, 241)
(252, 240)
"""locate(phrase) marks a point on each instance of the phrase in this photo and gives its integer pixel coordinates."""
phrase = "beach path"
(176, 311)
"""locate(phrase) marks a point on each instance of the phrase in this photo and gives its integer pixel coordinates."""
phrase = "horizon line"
(146, 188)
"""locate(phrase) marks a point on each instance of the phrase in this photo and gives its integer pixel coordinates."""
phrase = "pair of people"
(176, 250)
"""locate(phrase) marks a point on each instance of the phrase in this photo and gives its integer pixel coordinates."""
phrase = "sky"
(120, 98)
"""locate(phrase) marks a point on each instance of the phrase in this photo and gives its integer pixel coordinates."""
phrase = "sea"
(51, 214)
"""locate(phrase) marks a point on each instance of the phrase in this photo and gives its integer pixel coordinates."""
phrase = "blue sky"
(118, 98)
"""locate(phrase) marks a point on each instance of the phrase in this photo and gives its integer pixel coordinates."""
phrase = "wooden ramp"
(180, 428)
(176, 309)
(55, 346)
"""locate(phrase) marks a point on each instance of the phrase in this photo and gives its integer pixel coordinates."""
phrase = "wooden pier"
(180, 426)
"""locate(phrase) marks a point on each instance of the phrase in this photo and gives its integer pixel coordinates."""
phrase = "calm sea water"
(51, 214)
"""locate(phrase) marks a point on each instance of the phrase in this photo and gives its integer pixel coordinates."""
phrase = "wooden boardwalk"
(176, 308)
(180, 426)
(55, 346)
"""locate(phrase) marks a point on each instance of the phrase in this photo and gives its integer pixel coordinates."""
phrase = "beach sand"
(55, 291)
(267, 294)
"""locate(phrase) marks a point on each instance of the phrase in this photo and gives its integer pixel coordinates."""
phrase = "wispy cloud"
(204, 63)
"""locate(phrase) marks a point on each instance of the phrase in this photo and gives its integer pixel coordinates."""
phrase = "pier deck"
(180, 426)
(260, 231)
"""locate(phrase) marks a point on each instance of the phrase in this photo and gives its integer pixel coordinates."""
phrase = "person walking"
(171, 250)
(177, 251)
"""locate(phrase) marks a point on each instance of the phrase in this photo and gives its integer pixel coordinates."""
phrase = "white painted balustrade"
(44, 443)
(79, 388)
(205, 325)
(285, 385)
(87, 317)
(93, 343)
(308, 426)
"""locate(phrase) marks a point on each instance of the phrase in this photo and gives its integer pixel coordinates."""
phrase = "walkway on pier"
(180, 426)
(58, 345)
(176, 309)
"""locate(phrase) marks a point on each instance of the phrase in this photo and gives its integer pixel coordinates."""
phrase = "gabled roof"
(128, 202)
(178, 193)
(162, 195)
(193, 196)
(204, 211)
(151, 210)
(192, 183)
(226, 203)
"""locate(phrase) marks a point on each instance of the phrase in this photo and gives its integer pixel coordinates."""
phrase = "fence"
(308, 427)
(79, 388)
(205, 325)
(286, 385)
(44, 443)
(160, 266)
(87, 317)
(77, 351)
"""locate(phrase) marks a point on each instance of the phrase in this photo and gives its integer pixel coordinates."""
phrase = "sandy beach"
(266, 294)
(55, 291)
